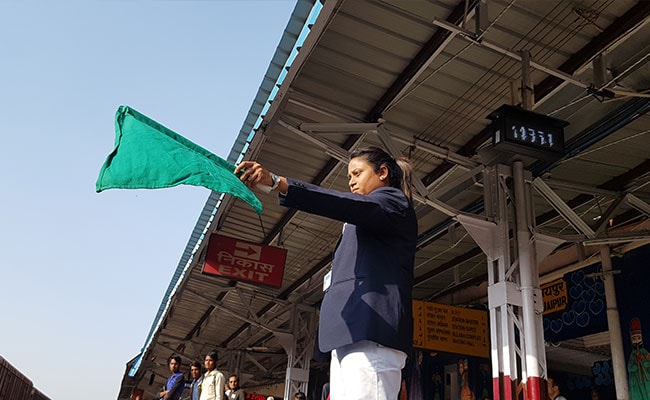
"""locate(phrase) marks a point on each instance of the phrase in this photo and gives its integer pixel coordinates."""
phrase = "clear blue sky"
(83, 274)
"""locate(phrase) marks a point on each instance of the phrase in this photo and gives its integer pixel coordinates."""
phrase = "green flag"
(149, 156)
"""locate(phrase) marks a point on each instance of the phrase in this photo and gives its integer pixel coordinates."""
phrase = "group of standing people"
(208, 385)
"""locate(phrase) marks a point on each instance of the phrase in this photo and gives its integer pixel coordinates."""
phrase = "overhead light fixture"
(257, 348)
(616, 239)
(339, 127)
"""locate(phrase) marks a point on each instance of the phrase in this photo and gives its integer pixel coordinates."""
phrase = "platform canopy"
(420, 78)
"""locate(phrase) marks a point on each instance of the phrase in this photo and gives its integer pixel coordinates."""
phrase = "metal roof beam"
(515, 56)
(328, 147)
(580, 188)
(359, 127)
(634, 16)
(419, 62)
(637, 203)
(234, 313)
(339, 127)
(330, 8)
(562, 208)
(388, 142)
(628, 21)
(616, 183)
(607, 215)
(438, 151)
(286, 292)
(622, 238)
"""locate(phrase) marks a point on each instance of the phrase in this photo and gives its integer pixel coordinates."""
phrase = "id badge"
(327, 280)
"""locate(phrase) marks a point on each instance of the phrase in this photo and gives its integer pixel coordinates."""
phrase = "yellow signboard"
(555, 296)
(450, 329)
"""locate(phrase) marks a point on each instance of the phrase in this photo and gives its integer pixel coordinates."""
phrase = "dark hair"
(196, 364)
(399, 170)
(175, 358)
(300, 396)
(213, 355)
(554, 379)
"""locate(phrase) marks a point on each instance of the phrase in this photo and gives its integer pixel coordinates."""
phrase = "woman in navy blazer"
(366, 318)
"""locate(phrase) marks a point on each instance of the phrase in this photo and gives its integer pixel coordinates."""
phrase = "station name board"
(450, 329)
(555, 296)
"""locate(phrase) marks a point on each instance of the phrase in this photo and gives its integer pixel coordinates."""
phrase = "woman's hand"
(253, 174)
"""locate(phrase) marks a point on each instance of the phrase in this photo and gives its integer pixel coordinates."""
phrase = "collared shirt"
(212, 386)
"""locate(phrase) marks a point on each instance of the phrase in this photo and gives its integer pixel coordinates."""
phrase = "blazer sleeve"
(377, 210)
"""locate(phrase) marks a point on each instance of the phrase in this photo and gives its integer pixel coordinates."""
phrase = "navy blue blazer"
(372, 272)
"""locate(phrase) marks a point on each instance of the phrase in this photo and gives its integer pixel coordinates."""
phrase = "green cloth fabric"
(149, 156)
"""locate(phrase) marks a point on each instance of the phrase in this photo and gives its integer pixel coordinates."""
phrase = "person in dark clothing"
(236, 392)
(553, 389)
(366, 315)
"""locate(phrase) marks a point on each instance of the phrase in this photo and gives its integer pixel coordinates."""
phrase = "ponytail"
(407, 171)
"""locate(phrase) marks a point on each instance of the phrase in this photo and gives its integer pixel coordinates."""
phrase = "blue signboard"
(574, 305)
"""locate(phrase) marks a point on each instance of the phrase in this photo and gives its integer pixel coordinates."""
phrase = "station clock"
(520, 131)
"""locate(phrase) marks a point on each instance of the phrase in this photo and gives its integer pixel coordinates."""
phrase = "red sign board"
(245, 261)
(254, 396)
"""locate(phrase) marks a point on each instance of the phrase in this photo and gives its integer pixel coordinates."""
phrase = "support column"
(531, 298)
(502, 292)
(527, 95)
(514, 295)
(614, 325)
(299, 345)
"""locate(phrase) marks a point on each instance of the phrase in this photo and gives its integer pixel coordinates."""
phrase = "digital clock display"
(525, 132)
(535, 137)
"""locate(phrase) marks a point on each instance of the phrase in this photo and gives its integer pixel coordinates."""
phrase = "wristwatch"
(276, 181)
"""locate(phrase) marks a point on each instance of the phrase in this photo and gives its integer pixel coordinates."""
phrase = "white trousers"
(366, 371)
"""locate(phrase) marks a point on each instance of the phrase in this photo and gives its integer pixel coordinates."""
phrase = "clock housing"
(520, 131)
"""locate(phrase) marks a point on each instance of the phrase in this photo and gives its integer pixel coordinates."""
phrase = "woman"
(366, 319)
(212, 385)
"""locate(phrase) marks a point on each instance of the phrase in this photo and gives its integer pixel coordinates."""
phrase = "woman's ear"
(383, 173)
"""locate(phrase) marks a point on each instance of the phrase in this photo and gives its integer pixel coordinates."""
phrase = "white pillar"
(614, 324)
(532, 318)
